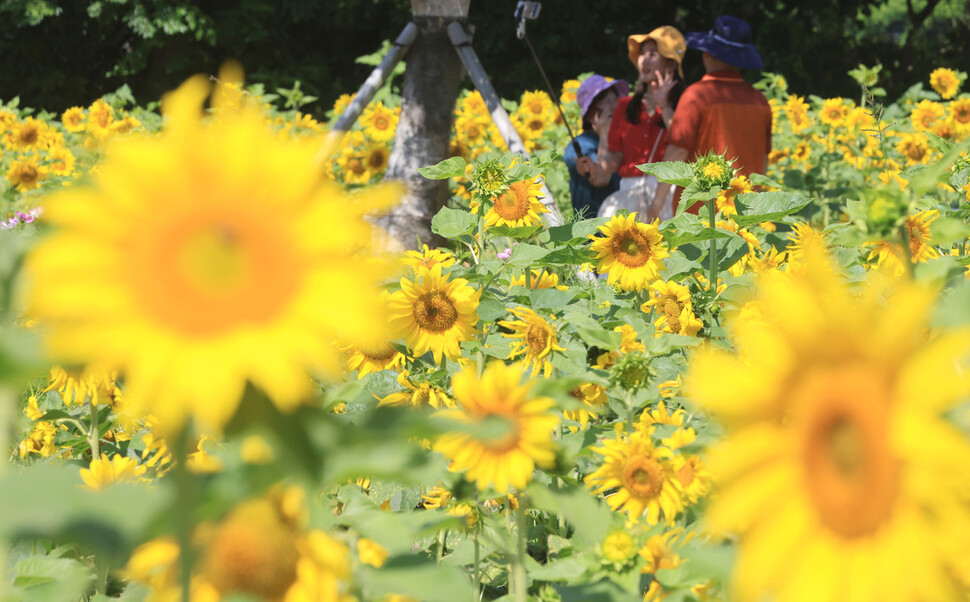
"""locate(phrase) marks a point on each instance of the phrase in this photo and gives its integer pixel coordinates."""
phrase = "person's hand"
(584, 166)
(660, 87)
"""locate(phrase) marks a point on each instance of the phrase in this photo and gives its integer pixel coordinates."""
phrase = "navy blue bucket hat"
(729, 41)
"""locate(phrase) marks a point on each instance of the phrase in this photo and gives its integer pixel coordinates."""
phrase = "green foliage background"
(59, 53)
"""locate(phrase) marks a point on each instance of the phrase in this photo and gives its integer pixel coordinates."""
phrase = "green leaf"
(418, 577)
(524, 255)
(666, 343)
(948, 229)
(561, 569)
(687, 227)
(927, 179)
(518, 233)
(452, 223)
(591, 331)
(46, 578)
(581, 229)
(757, 207)
(694, 194)
(953, 311)
(449, 168)
(491, 309)
(678, 265)
(758, 179)
(587, 514)
(677, 173)
(547, 298)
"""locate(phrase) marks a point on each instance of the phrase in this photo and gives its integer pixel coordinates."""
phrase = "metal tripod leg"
(501, 118)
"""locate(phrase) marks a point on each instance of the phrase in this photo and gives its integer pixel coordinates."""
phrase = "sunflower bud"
(712, 170)
(631, 371)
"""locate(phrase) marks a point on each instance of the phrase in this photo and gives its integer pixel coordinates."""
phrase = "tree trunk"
(423, 132)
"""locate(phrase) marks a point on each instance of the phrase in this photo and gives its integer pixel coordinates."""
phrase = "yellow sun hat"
(670, 44)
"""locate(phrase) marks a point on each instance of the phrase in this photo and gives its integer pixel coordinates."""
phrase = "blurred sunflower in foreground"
(206, 257)
(839, 468)
(261, 550)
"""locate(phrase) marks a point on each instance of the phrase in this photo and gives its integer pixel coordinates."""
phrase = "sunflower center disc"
(537, 337)
(643, 477)
(850, 470)
(631, 249)
(434, 311)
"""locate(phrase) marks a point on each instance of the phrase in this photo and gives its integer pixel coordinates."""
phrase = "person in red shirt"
(722, 112)
(637, 132)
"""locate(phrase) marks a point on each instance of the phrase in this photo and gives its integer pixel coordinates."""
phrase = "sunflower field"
(216, 383)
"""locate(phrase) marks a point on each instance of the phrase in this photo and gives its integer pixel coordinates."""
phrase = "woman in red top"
(638, 131)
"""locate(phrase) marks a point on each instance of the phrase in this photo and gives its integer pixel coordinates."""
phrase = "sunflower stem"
(907, 252)
(442, 540)
(8, 400)
(94, 435)
(521, 593)
(478, 569)
(711, 211)
(184, 509)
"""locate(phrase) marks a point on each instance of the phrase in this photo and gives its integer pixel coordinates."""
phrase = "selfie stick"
(530, 10)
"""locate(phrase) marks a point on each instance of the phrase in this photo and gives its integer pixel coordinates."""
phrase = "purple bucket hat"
(729, 41)
(592, 86)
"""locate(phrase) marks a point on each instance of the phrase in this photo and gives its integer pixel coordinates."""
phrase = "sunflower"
(618, 549)
(261, 550)
(535, 103)
(106, 471)
(73, 119)
(353, 161)
(694, 477)
(376, 159)
(473, 104)
(915, 147)
(32, 134)
(518, 206)
(629, 252)
(195, 265)
(373, 358)
(433, 313)
(804, 240)
(594, 401)
(471, 130)
(77, 387)
(833, 112)
(513, 429)
(26, 173)
(672, 305)
(379, 122)
(641, 475)
(837, 460)
(960, 114)
(100, 117)
(538, 279)
(754, 245)
(61, 161)
(340, 105)
(427, 258)
(859, 118)
(725, 198)
(946, 82)
(926, 114)
(801, 152)
(768, 261)
(890, 257)
(534, 338)
(569, 89)
(416, 395)
(629, 343)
